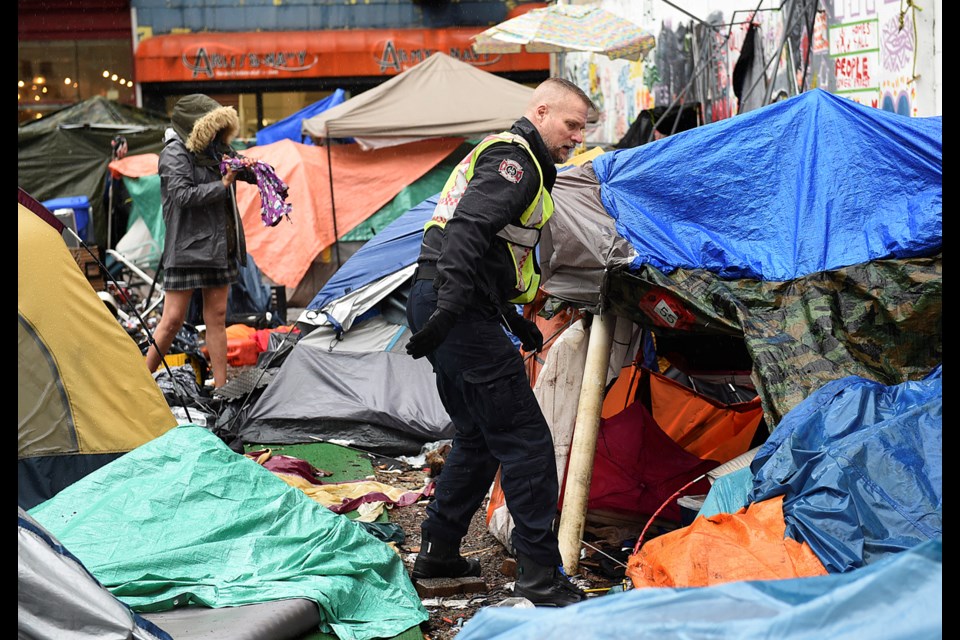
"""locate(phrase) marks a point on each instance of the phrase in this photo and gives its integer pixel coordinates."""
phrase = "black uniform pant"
(499, 424)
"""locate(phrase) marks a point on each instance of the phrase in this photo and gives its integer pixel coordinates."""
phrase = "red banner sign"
(312, 54)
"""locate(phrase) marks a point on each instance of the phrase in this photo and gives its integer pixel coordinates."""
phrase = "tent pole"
(333, 206)
(583, 447)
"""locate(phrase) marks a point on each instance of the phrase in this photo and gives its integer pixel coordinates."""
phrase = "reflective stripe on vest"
(521, 238)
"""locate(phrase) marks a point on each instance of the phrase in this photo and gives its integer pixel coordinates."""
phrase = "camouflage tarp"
(880, 320)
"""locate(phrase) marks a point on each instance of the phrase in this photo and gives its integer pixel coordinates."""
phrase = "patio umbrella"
(562, 28)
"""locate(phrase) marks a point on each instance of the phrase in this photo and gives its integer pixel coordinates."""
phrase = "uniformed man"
(477, 262)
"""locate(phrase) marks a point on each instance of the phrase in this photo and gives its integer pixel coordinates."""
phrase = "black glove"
(433, 333)
(526, 331)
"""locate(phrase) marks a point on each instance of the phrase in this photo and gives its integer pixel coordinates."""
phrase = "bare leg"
(215, 318)
(175, 305)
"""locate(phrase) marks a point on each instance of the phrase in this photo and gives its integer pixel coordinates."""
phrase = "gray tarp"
(581, 241)
(58, 598)
(379, 401)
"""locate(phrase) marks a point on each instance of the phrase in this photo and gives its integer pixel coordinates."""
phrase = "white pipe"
(583, 447)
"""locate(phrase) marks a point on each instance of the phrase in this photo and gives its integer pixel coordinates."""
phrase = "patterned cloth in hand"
(273, 190)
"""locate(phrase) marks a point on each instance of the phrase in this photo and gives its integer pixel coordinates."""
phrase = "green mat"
(344, 463)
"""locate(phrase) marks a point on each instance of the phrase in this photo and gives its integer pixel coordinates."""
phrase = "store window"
(56, 74)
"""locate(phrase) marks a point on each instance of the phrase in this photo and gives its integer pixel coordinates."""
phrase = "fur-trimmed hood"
(198, 119)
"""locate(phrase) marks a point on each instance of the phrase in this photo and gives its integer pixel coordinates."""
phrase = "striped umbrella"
(563, 27)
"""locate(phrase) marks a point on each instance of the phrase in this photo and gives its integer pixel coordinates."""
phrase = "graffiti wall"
(862, 49)
(873, 47)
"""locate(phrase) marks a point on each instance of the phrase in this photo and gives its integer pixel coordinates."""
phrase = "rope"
(664, 506)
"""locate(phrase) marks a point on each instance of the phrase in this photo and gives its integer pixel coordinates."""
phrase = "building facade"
(266, 58)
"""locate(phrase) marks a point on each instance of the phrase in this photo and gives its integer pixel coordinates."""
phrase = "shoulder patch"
(511, 170)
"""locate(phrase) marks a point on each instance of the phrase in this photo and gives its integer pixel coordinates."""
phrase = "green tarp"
(145, 196)
(66, 154)
(183, 520)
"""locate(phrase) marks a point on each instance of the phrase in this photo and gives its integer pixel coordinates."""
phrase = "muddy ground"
(599, 573)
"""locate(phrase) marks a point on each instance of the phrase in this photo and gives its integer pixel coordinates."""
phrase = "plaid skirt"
(190, 278)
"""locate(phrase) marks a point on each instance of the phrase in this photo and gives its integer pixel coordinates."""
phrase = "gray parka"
(199, 212)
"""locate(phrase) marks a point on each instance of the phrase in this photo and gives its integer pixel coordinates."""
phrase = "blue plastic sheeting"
(291, 127)
(183, 520)
(395, 247)
(728, 493)
(898, 598)
(860, 466)
(812, 183)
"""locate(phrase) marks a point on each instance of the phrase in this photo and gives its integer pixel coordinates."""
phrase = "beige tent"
(440, 97)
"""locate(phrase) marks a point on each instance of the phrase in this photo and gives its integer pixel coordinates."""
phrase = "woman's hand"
(231, 174)
(229, 177)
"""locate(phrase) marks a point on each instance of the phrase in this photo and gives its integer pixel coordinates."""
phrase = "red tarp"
(637, 467)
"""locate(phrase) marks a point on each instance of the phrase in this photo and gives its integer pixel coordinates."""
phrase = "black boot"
(545, 586)
(442, 559)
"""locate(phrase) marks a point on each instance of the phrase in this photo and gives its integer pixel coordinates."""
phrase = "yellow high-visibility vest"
(521, 238)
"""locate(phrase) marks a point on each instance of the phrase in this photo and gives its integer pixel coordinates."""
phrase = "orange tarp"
(135, 166)
(708, 429)
(746, 545)
(363, 181)
(702, 426)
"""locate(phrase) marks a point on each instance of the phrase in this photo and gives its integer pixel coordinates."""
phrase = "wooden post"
(583, 447)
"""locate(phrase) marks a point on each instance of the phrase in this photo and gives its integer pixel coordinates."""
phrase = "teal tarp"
(145, 195)
(183, 520)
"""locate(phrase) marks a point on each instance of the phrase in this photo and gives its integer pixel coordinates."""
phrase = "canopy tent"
(349, 379)
(439, 97)
(66, 153)
(291, 127)
(75, 413)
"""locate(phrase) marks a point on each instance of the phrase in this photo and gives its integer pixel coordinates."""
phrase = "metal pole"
(333, 205)
(583, 447)
(776, 67)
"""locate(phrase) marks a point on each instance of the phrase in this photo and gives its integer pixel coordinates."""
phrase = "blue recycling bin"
(81, 212)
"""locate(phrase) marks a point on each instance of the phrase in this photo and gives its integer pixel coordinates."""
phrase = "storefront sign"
(312, 54)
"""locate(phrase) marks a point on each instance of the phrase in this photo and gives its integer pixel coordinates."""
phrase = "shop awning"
(198, 57)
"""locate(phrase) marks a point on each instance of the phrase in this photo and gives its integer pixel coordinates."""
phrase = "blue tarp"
(813, 183)
(860, 465)
(395, 247)
(728, 494)
(898, 598)
(290, 128)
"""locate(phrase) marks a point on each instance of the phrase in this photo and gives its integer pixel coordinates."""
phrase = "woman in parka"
(204, 244)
